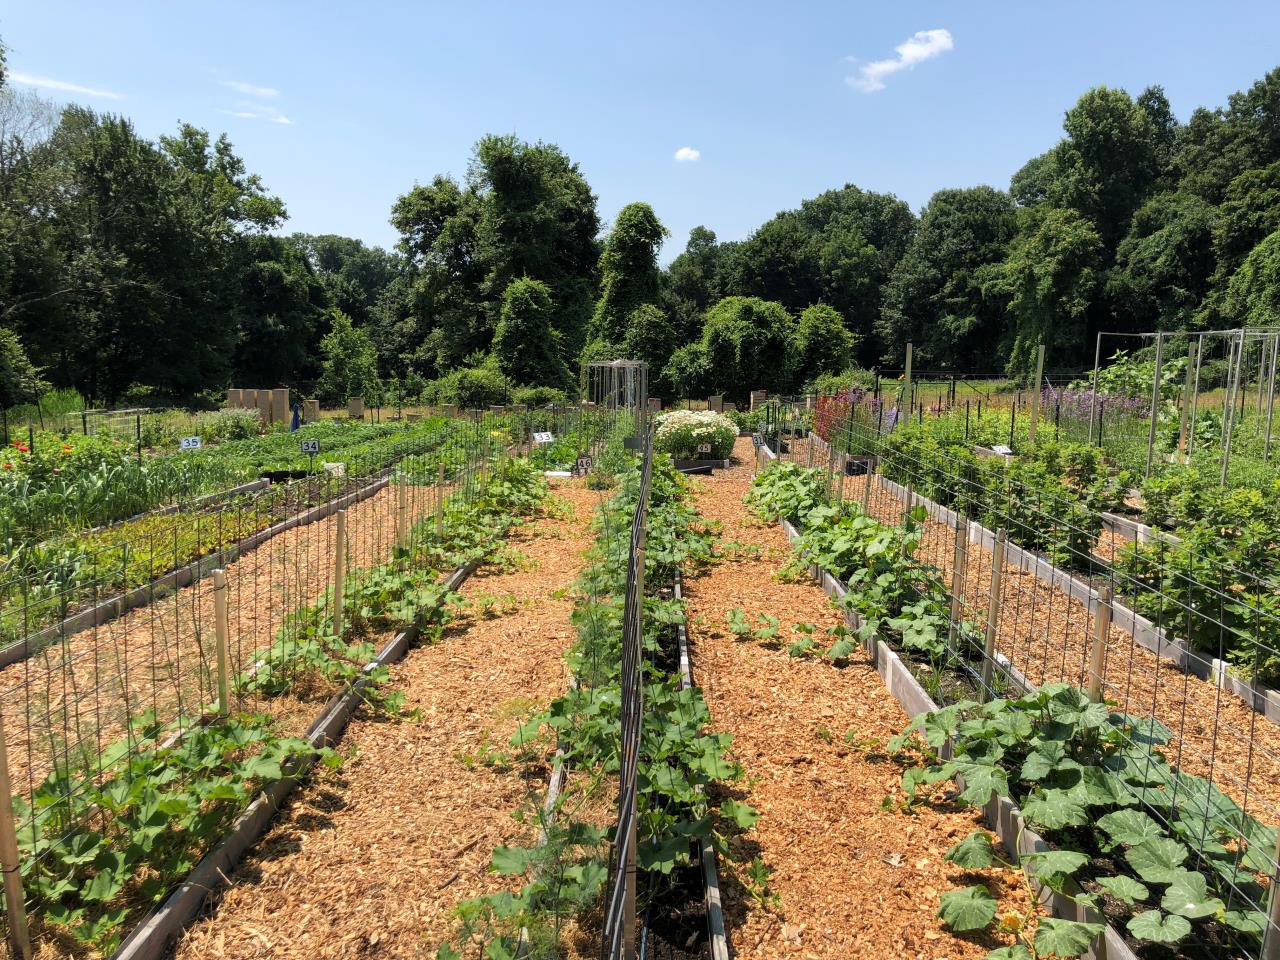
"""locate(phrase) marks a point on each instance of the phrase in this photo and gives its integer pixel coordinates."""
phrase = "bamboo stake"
(339, 570)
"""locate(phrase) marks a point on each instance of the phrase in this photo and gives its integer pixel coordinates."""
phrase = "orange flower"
(8, 466)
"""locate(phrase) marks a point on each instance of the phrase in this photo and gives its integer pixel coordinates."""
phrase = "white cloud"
(921, 46)
(249, 90)
(61, 85)
(688, 155)
(259, 111)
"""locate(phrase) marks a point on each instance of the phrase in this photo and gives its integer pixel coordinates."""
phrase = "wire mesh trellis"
(1035, 596)
(113, 669)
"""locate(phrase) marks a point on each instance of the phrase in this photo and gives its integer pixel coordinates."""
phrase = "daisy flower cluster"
(681, 432)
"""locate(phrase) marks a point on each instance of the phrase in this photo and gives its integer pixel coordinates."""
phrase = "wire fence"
(169, 657)
(1031, 593)
(618, 931)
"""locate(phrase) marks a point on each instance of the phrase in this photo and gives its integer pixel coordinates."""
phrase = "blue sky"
(341, 107)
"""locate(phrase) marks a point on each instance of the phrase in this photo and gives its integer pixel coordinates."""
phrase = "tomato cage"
(620, 387)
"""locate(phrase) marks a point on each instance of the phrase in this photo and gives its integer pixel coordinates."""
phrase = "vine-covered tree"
(526, 344)
(349, 363)
(628, 271)
(822, 343)
(748, 345)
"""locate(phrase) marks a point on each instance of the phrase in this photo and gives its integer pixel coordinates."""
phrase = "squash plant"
(99, 849)
(1161, 852)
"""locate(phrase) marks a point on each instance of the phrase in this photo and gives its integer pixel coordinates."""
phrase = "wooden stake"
(440, 504)
(402, 513)
(14, 900)
(1101, 633)
(1035, 397)
(221, 632)
(1271, 936)
(993, 617)
(339, 570)
(959, 565)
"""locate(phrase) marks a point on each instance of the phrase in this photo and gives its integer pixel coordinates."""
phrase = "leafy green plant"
(97, 849)
(1120, 820)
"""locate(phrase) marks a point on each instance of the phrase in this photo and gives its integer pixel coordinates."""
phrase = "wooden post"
(993, 616)
(866, 487)
(1101, 633)
(907, 399)
(1035, 397)
(911, 499)
(402, 511)
(339, 570)
(1270, 936)
(14, 900)
(440, 504)
(1155, 403)
(959, 566)
(221, 633)
(1186, 400)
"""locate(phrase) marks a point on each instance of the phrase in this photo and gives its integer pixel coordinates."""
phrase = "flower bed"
(681, 433)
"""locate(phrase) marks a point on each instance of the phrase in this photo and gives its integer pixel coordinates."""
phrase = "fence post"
(440, 503)
(993, 616)
(1101, 633)
(1155, 402)
(221, 631)
(907, 398)
(1271, 936)
(1186, 401)
(402, 511)
(137, 429)
(959, 566)
(14, 900)
(1035, 397)
(339, 569)
(866, 487)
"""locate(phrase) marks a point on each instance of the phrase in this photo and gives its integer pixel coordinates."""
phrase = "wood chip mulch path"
(369, 862)
(854, 879)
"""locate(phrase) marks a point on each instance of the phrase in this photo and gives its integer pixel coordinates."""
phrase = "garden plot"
(850, 878)
(1046, 635)
(372, 861)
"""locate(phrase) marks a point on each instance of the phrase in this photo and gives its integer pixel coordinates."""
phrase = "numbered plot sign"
(584, 466)
(190, 443)
(543, 438)
(756, 440)
(311, 447)
(704, 448)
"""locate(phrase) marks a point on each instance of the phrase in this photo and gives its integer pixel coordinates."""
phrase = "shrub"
(681, 432)
(470, 387)
(526, 345)
(830, 384)
(539, 396)
(823, 344)
(748, 342)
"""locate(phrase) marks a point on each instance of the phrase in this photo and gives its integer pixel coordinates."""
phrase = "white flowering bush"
(681, 432)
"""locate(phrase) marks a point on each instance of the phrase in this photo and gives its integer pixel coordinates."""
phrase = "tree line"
(140, 271)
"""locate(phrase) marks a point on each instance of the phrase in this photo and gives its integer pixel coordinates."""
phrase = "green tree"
(1164, 264)
(838, 248)
(822, 342)
(692, 283)
(1049, 280)
(525, 345)
(1253, 294)
(651, 338)
(934, 299)
(748, 345)
(628, 270)
(349, 363)
(20, 381)
(1107, 165)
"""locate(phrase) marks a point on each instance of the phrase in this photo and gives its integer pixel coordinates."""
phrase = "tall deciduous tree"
(349, 363)
(934, 298)
(628, 270)
(748, 345)
(526, 344)
(1049, 279)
